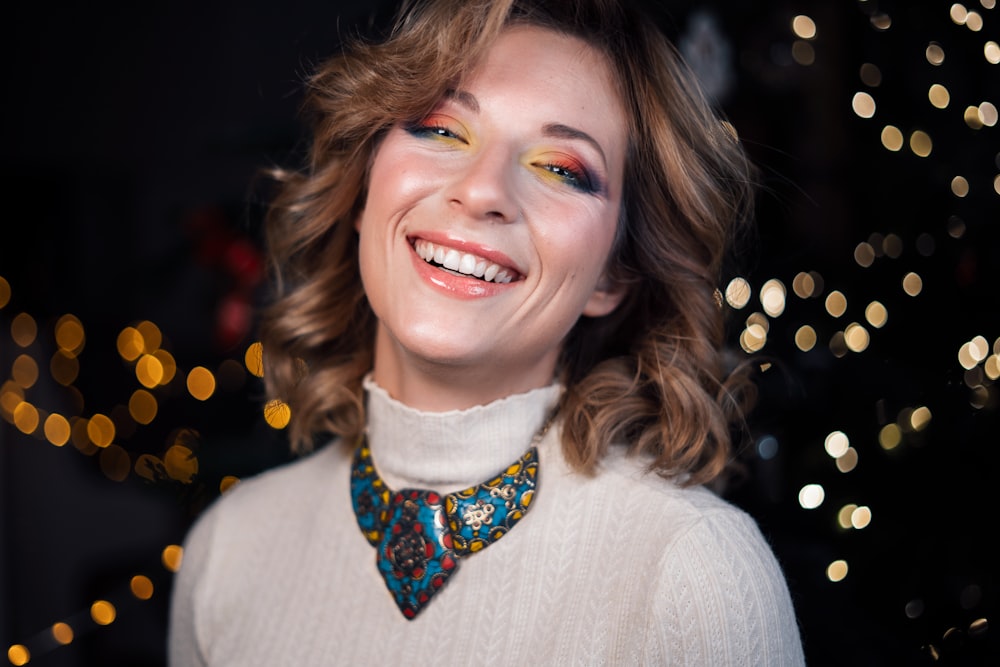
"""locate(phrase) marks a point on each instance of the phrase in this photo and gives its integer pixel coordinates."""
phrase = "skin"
(520, 167)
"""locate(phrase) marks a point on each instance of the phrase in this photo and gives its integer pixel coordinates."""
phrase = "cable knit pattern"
(622, 568)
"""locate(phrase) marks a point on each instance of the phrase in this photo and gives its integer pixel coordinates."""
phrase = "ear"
(607, 295)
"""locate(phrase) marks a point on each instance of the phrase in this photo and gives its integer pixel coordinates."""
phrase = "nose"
(484, 187)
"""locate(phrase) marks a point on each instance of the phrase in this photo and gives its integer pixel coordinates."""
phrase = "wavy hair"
(651, 375)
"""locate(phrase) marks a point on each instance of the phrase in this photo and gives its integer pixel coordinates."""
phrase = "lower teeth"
(455, 273)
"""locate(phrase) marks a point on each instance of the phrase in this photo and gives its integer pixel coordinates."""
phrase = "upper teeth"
(462, 262)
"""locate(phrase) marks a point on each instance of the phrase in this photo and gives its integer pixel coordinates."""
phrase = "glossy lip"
(462, 286)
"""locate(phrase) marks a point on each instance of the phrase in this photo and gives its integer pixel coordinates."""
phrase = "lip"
(489, 254)
(458, 285)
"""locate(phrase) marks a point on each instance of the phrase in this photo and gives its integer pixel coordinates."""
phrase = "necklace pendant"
(416, 555)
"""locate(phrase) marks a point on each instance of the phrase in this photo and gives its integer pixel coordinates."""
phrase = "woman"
(496, 296)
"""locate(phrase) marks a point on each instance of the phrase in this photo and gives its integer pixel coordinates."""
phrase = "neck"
(440, 386)
(451, 450)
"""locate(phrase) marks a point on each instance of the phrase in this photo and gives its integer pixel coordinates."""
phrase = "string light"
(154, 368)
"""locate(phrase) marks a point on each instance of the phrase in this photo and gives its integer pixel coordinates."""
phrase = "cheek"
(581, 240)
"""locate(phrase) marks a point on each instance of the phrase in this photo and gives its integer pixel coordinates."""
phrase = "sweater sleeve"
(184, 648)
(722, 599)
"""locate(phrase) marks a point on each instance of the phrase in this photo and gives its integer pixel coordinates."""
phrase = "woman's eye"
(574, 176)
(434, 131)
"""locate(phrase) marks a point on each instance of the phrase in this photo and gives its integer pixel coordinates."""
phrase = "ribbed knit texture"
(622, 568)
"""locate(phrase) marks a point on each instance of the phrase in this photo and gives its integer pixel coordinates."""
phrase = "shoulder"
(669, 525)
(718, 588)
(687, 533)
(693, 512)
(273, 501)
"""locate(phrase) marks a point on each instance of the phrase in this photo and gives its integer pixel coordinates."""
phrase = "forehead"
(539, 74)
(534, 55)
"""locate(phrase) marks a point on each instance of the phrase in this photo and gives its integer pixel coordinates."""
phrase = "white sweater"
(622, 568)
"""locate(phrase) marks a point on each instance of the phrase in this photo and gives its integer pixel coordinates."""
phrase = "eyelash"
(434, 131)
(572, 175)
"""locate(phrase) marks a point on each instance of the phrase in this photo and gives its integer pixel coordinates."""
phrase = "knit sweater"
(618, 568)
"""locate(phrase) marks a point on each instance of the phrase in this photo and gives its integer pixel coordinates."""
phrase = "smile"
(463, 263)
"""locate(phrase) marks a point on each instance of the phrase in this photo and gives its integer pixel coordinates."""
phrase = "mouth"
(466, 264)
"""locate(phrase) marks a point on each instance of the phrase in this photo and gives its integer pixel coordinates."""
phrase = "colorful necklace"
(420, 536)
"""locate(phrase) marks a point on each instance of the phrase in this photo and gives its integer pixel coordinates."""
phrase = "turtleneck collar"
(451, 450)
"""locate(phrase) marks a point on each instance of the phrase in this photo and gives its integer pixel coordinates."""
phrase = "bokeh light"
(991, 51)
(863, 104)
(920, 143)
(836, 443)
(23, 329)
(201, 383)
(4, 292)
(149, 371)
(70, 336)
(880, 21)
(737, 293)
(864, 254)
(130, 344)
(848, 461)
(62, 633)
(861, 517)
(890, 436)
(805, 338)
(870, 75)
(168, 366)
(772, 297)
(844, 515)
(277, 414)
(172, 557)
(892, 138)
(856, 337)
(913, 284)
(103, 612)
(24, 371)
(152, 337)
(26, 417)
(939, 96)
(254, 358)
(876, 314)
(804, 285)
(142, 406)
(141, 587)
(228, 482)
(811, 496)
(836, 303)
(934, 53)
(64, 368)
(804, 27)
(837, 571)
(101, 430)
(18, 655)
(959, 186)
(57, 429)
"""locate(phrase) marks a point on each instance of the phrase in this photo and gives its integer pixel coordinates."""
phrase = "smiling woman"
(495, 310)
(486, 178)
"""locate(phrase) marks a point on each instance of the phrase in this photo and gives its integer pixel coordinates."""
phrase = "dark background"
(131, 143)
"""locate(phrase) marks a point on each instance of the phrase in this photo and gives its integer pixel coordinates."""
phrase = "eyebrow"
(466, 99)
(560, 131)
(555, 130)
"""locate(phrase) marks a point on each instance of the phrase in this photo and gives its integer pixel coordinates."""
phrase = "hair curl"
(651, 374)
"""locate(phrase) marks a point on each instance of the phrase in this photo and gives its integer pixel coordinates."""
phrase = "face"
(488, 224)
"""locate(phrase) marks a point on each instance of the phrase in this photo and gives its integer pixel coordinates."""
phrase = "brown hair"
(650, 375)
